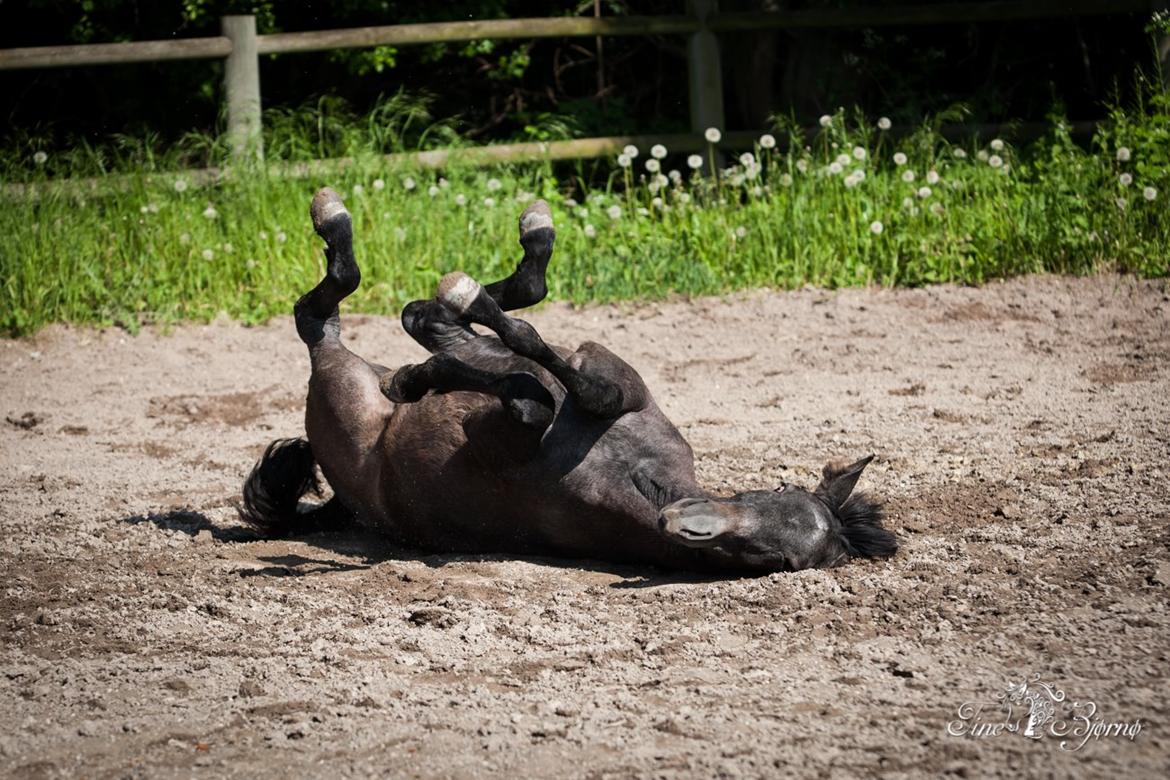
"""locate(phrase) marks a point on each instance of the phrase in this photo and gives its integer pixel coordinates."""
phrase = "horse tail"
(272, 492)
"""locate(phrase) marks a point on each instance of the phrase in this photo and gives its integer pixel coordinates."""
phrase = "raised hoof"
(457, 291)
(325, 209)
(535, 217)
(396, 386)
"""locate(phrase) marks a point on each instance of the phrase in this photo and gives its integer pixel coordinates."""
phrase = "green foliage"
(844, 209)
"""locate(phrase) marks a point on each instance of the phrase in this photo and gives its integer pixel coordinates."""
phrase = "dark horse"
(506, 444)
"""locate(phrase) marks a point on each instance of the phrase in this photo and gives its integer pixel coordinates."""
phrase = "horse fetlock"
(401, 386)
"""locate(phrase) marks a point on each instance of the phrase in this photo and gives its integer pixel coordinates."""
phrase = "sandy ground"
(1022, 437)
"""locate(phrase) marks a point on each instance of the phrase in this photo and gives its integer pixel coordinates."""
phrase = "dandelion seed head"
(995, 161)
(658, 151)
(713, 135)
(281, 237)
(740, 231)
(1123, 154)
(747, 159)
(489, 202)
(653, 165)
(460, 199)
(695, 162)
(184, 238)
(40, 158)
(757, 192)
(843, 159)
(786, 180)
(570, 203)
(208, 254)
(859, 153)
(802, 165)
(614, 211)
(143, 210)
(624, 160)
(825, 120)
(433, 191)
(835, 168)
(932, 177)
(907, 176)
(674, 176)
(590, 231)
(767, 141)
(851, 181)
(959, 153)
(982, 155)
(899, 158)
(884, 123)
(657, 203)
(630, 151)
(228, 248)
(379, 184)
(443, 183)
(684, 197)
(1149, 193)
(1125, 179)
(1121, 203)
(996, 145)
(250, 264)
(263, 235)
(210, 213)
(180, 185)
(876, 227)
(907, 202)
(924, 192)
(493, 185)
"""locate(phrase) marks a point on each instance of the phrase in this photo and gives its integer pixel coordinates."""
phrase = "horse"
(501, 443)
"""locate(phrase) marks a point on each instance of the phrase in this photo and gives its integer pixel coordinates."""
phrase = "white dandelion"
(281, 237)
(208, 254)
(493, 185)
(996, 145)
(1125, 179)
(859, 153)
(630, 151)
(653, 165)
(1149, 193)
(40, 158)
(180, 185)
(379, 184)
(959, 153)
(884, 123)
(443, 183)
(907, 202)
(786, 180)
(228, 248)
(359, 190)
(924, 192)
(932, 177)
(713, 135)
(740, 231)
(907, 176)
(995, 161)
(802, 165)
(657, 203)
(408, 184)
(624, 160)
(658, 151)
(876, 227)
(489, 202)
(1123, 154)
(674, 176)
(1121, 203)
(460, 199)
(900, 159)
(433, 191)
(695, 162)
(843, 159)
(570, 203)
(614, 211)
(184, 238)
(263, 235)
(825, 120)
(210, 213)
(835, 168)
(851, 181)
(981, 155)
(767, 141)
(590, 231)
(747, 159)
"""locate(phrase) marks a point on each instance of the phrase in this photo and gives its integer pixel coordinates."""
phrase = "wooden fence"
(241, 47)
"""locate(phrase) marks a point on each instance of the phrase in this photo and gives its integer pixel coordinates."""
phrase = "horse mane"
(862, 532)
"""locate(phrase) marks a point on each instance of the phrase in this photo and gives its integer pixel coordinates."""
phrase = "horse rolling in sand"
(502, 443)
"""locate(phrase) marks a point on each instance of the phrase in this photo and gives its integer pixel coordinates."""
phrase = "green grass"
(137, 249)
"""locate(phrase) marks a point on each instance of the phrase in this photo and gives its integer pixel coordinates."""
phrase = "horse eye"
(781, 489)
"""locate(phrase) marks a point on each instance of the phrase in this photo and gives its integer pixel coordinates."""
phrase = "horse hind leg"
(316, 312)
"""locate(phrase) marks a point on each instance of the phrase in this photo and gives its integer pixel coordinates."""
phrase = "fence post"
(241, 82)
(704, 70)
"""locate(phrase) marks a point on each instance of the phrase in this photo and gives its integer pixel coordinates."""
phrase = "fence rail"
(240, 46)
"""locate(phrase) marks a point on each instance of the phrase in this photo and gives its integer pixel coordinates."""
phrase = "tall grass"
(854, 206)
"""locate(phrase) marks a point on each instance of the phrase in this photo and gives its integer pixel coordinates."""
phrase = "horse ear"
(838, 480)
